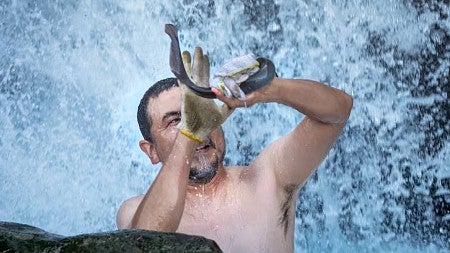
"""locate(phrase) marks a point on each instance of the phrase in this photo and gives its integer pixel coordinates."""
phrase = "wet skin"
(243, 208)
(236, 208)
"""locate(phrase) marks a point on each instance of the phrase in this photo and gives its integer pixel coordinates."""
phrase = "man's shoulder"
(126, 211)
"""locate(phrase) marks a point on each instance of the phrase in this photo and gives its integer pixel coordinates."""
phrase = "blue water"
(72, 74)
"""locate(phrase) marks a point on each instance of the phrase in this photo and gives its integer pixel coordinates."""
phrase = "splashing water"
(72, 74)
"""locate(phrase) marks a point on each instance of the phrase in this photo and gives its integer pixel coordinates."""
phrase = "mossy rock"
(15, 237)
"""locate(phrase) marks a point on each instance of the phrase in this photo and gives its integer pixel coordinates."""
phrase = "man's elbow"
(348, 104)
(345, 108)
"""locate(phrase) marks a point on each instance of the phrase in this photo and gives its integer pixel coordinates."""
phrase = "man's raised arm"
(162, 206)
(326, 109)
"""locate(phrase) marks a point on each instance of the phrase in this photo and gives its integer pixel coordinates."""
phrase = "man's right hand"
(199, 116)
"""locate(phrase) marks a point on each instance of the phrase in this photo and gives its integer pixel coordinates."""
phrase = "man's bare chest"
(233, 231)
(245, 225)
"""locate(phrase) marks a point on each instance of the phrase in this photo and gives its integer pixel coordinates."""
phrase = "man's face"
(165, 114)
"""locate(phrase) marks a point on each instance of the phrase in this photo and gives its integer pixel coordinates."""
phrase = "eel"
(260, 79)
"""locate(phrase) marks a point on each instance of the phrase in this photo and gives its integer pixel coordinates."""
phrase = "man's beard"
(206, 170)
(205, 173)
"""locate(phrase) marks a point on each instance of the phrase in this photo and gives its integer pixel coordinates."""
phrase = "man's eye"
(174, 121)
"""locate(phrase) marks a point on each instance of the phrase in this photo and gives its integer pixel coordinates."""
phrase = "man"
(243, 208)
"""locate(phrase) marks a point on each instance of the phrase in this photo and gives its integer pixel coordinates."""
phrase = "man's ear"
(149, 149)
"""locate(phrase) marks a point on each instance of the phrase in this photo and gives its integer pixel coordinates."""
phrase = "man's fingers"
(230, 102)
(197, 64)
(200, 67)
(236, 91)
(205, 71)
(186, 56)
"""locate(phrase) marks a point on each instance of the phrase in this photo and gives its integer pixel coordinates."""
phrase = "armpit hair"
(289, 192)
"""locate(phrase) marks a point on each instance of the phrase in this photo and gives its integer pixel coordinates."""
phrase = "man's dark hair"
(143, 117)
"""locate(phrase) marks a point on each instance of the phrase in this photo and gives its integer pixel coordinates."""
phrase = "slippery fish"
(260, 79)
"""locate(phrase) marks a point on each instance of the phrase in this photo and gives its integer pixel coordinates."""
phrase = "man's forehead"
(168, 100)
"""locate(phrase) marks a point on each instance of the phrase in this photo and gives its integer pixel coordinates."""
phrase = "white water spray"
(72, 74)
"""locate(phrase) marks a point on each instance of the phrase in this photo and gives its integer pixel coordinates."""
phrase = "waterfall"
(72, 73)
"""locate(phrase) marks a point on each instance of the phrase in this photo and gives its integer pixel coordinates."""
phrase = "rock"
(15, 237)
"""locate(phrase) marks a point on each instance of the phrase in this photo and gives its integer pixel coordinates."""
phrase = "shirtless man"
(243, 208)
